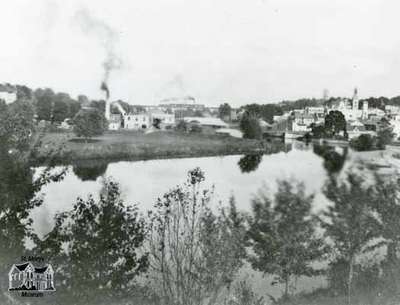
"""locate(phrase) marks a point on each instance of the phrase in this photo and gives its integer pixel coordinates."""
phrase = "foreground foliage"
(282, 234)
(195, 252)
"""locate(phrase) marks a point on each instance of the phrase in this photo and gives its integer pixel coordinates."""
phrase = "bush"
(244, 295)
(318, 131)
(196, 128)
(182, 126)
(385, 137)
(364, 142)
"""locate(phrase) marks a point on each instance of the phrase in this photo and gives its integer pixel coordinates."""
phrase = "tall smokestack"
(108, 38)
(104, 87)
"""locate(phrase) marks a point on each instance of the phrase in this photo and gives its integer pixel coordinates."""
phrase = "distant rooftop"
(179, 100)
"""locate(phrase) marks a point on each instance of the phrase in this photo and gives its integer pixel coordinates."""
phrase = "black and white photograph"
(187, 152)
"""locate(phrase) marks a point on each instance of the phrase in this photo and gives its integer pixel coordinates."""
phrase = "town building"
(356, 128)
(351, 108)
(392, 109)
(166, 120)
(301, 122)
(143, 118)
(137, 121)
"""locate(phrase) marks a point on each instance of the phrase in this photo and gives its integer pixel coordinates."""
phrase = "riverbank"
(124, 145)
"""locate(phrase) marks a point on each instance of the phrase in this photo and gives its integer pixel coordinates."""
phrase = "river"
(142, 182)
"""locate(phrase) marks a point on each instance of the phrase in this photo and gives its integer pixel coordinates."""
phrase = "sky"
(236, 51)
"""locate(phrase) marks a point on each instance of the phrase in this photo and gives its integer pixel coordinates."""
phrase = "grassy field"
(131, 145)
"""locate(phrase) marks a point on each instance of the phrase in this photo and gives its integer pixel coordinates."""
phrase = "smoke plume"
(108, 38)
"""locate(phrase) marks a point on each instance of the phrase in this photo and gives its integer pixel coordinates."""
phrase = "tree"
(282, 234)
(89, 123)
(384, 134)
(44, 105)
(16, 125)
(250, 126)
(363, 142)
(386, 203)
(194, 252)
(60, 111)
(99, 105)
(23, 92)
(374, 102)
(83, 99)
(335, 122)
(224, 111)
(265, 112)
(349, 222)
(103, 254)
(74, 108)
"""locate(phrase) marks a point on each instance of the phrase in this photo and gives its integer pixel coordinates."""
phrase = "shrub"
(385, 137)
(196, 128)
(244, 295)
(182, 126)
(363, 143)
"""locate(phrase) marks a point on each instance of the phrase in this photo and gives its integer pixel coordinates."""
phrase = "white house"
(395, 123)
(166, 119)
(315, 110)
(28, 277)
(302, 122)
(392, 109)
(137, 121)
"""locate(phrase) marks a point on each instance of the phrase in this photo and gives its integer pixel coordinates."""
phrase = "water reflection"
(89, 170)
(249, 163)
(333, 160)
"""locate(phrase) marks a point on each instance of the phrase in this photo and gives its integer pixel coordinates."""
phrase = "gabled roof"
(21, 267)
(42, 269)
